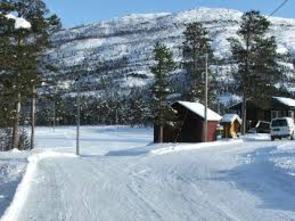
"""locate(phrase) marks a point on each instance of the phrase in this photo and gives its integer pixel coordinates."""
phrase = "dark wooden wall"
(189, 128)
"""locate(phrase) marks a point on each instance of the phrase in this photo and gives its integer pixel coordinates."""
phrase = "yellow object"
(231, 125)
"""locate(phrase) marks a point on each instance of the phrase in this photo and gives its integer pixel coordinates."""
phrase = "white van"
(282, 128)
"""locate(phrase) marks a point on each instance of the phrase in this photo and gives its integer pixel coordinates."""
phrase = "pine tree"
(22, 53)
(258, 69)
(163, 113)
(196, 47)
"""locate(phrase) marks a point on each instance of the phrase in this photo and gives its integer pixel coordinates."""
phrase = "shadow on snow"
(259, 176)
(10, 176)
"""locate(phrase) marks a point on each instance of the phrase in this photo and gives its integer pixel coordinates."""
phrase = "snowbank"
(12, 168)
(185, 147)
(256, 137)
(22, 191)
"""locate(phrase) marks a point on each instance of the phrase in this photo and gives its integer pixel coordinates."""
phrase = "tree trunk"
(54, 116)
(161, 127)
(244, 115)
(116, 117)
(15, 132)
(161, 134)
(245, 87)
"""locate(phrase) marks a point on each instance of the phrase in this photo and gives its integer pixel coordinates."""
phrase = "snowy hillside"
(120, 50)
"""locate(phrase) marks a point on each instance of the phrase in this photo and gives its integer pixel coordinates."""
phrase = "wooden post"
(15, 133)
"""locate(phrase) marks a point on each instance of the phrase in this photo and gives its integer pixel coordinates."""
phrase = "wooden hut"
(231, 125)
(190, 126)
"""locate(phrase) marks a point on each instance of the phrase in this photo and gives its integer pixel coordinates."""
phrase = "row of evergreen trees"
(112, 109)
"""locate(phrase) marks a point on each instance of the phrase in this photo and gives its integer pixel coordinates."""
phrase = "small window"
(282, 113)
(274, 114)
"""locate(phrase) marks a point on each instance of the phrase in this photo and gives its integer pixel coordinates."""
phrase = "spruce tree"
(22, 53)
(196, 47)
(164, 65)
(255, 53)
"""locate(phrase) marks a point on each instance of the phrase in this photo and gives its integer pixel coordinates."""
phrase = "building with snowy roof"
(282, 107)
(278, 107)
(190, 123)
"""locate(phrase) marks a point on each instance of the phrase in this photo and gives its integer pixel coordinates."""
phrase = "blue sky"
(76, 12)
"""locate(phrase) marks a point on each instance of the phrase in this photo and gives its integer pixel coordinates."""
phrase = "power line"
(278, 8)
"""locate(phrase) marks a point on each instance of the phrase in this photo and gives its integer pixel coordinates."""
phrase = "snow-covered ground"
(121, 176)
(94, 140)
(12, 167)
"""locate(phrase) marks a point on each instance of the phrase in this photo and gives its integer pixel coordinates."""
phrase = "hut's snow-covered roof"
(286, 101)
(199, 109)
(289, 102)
(230, 118)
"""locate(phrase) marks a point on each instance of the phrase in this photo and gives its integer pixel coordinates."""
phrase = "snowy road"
(231, 182)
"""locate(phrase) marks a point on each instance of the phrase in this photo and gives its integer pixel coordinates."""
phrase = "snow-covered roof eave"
(286, 101)
(199, 109)
(283, 100)
(230, 118)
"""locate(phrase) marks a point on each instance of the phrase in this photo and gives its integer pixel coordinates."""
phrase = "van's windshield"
(279, 123)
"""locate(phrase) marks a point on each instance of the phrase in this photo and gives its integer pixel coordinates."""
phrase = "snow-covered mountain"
(120, 50)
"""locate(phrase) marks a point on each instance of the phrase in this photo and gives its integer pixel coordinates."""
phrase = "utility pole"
(78, 118)
(33, 116)
(206, 101)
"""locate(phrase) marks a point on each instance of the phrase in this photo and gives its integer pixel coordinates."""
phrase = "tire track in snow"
(204, 200)
(133, 202)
